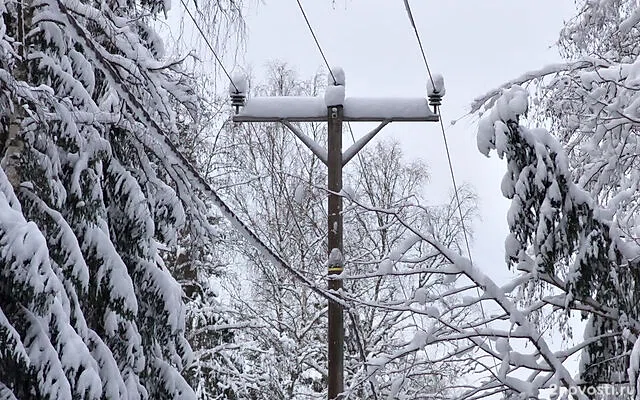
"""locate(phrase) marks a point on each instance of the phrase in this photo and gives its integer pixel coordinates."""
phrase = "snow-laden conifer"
(88, 308)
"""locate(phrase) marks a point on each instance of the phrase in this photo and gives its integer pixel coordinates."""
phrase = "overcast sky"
(476, 45)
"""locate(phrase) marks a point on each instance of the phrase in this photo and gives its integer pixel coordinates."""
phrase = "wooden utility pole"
(335, 334)
(333, 109)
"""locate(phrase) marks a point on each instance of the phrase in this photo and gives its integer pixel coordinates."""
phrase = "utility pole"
(335, 329)
(334, 109)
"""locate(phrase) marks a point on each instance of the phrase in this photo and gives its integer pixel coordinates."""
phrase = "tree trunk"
(12, 141)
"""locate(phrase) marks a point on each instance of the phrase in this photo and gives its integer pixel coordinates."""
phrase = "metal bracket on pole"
(312, 145)
(358, 145)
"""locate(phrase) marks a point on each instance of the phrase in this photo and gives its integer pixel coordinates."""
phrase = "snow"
(84, 70)
(449, 279)
(432, 312)
(298, 194)
(49, 255)
(80, 166)
(512, 246)
(487, 100)
(112, 273)
(516, 316)
(403, 247)
(313, 374)
(519, 104)
(335, 257)
(387, 108)
(110, 323)
(6, 393)
(502, 346)
(395, 388)
(285, 107)
(66, 242)
(468, 300)
(338, 74)
(43, 356)
(374, 364)
(435, 85)
(334, 92)
(334, 96)
(420, 296)
(492, 127)
(173, 382)
(239, 83)
(506, 186)
(420, 340)
(11, 337)
(385, 267)
(295, 108)
(634, 367)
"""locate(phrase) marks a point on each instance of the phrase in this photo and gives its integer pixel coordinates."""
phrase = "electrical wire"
(448, 153)
(415, 29)
(444, 135)
(204, 37)
(315, 38)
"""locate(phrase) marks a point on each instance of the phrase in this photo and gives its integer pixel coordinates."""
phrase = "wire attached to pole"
(304, 14)
(204, 37)
(448, 153)
(444, 135)
(415, 29)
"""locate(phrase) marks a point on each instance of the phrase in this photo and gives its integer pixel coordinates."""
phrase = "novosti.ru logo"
(602, 392)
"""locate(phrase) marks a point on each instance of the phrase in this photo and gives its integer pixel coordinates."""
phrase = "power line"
(204, 37)
(415, 29)
(455, 187)
(444, 135)
(304, 14)
(453, 176)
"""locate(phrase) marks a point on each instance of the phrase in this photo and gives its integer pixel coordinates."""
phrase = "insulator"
(237, 100)
(435, 100)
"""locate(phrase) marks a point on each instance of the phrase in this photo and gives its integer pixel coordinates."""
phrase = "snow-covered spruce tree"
(590, 104)
(594, 112)
(279, 187)
(216, 371)
(572, 247)
(87, 307)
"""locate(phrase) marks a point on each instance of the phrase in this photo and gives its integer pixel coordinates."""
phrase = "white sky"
(476, 45)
